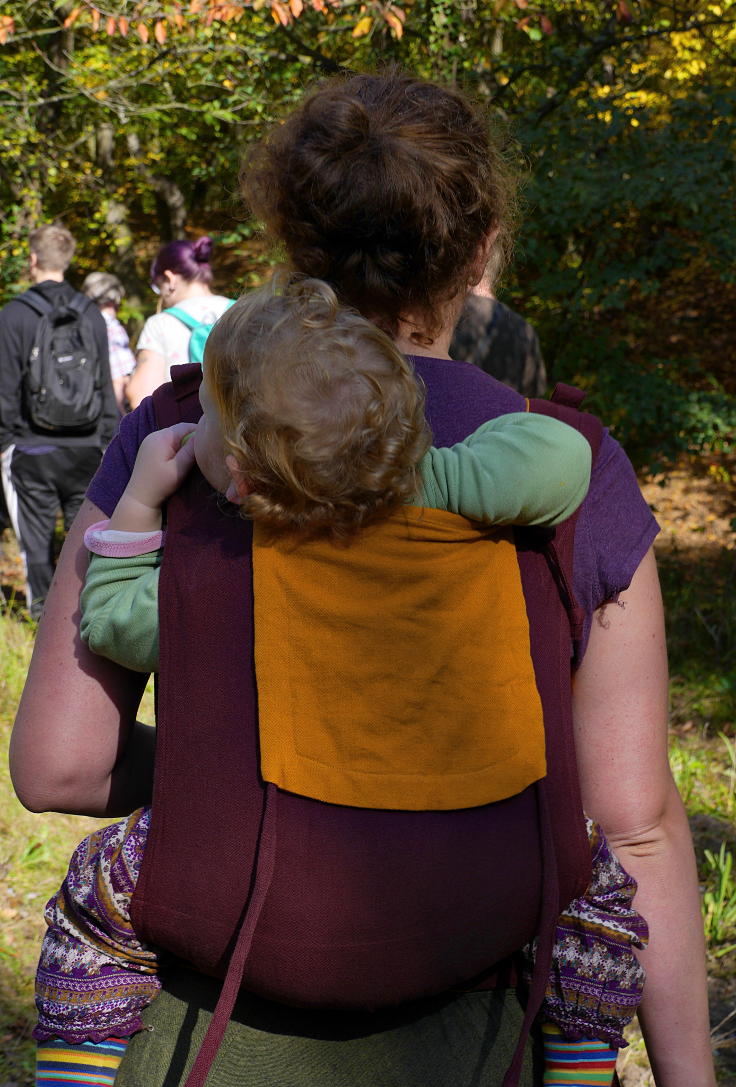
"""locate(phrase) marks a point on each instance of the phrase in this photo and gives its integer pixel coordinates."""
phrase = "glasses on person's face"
(155, 288)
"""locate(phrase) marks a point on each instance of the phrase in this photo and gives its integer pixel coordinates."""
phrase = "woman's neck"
(436, 345)
(179, 290)
(194, 289)
(439, 348)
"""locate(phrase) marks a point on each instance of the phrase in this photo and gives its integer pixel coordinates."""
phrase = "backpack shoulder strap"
(183, 316)
(79, 303)
(178, 401)
(36, 302)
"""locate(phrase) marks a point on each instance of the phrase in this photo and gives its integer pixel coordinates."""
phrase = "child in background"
(324, 422)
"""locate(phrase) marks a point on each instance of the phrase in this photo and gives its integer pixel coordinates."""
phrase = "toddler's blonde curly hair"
(323, 414)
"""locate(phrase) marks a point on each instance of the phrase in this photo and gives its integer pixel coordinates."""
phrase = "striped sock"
(587, 1063)
(60, 1064)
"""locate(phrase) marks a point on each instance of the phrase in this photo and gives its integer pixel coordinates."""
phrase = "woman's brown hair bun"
(385, 186)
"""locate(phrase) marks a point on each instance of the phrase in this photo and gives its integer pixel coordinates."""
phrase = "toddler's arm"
(120, 597)
(521, 468)
(119, 603)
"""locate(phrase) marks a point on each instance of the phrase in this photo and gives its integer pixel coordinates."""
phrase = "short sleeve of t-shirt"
(116, 468)
(615, 530)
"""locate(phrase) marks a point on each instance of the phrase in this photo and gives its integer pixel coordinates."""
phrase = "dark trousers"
(4, 515)
(37, 485)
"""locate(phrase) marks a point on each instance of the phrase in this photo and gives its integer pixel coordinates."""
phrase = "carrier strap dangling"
(264, 869)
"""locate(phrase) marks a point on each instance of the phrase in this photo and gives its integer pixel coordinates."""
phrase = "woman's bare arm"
(621, 713)
(76, 746)
(151, 371)
(118, 386)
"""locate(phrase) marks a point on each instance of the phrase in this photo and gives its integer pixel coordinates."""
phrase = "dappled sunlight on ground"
(695, 505)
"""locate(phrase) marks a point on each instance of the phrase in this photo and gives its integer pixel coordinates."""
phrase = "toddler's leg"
(587, 1063)
(94, 976)
(596, 980)
(61, 1064)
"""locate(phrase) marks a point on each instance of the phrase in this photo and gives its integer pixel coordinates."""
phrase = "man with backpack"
(57, 405)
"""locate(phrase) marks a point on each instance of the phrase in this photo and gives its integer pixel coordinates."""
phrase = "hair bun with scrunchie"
(202, 249)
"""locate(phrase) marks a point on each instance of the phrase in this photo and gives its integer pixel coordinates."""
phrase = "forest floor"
(694, 505)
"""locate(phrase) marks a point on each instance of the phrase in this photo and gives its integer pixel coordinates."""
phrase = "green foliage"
(656, 410)
(719, 902)
(16, 640)
(701, 613)
(129, 123)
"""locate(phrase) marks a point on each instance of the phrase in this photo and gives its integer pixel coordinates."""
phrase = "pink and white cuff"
(113, 543)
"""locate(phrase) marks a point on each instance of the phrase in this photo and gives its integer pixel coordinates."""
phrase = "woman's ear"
(482, 258)
(239, 486)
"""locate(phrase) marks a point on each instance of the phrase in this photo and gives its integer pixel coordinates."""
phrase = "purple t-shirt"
(615, 527)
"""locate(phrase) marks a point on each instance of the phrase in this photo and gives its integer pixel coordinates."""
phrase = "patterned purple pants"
(95, 976)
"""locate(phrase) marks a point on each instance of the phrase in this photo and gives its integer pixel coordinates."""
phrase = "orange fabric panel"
(390, 673)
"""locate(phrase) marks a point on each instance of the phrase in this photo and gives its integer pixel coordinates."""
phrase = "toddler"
(313, 424)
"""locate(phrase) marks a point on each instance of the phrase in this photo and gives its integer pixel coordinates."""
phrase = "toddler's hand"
(164, 459)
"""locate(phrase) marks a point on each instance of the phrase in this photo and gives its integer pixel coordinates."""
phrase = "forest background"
(128, 120)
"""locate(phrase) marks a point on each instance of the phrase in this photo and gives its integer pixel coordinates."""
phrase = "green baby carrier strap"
(200, 331)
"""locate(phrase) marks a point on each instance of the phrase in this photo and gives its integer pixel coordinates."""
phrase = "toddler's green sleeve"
(120, 609)
(522, 469)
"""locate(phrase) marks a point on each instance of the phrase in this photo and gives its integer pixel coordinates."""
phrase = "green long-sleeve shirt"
(518, 469)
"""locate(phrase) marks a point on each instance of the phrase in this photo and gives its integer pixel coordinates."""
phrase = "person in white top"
(181, 274)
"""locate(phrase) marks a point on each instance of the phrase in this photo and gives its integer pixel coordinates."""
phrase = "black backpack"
(64, 379)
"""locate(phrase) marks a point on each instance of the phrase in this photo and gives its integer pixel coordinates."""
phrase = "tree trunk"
(169, 197)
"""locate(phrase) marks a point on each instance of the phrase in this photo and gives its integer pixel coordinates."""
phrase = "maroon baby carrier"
(316, 905)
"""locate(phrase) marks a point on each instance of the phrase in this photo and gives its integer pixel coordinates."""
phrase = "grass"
(701, 606)
(698, 587)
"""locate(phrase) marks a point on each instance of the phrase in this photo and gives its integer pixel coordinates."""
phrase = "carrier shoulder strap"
(565, 405)
(177, 401)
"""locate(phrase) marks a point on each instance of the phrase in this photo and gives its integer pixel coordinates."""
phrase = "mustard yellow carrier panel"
(390, 673)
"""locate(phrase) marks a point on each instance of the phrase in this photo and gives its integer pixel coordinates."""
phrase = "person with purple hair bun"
(181, 276)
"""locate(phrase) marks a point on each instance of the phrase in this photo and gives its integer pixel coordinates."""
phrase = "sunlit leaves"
(160, 19)
(155, 22)
(174, 90)
(395, 18)
(280, 12)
